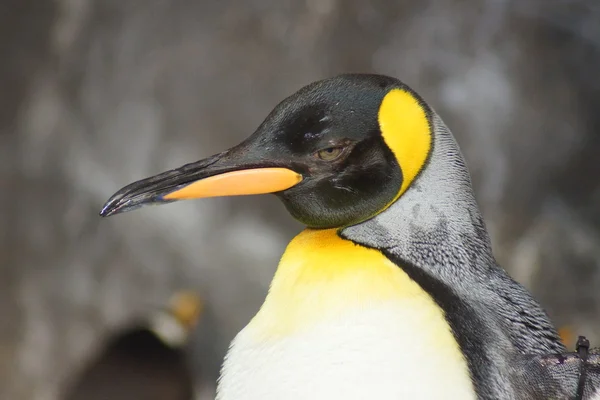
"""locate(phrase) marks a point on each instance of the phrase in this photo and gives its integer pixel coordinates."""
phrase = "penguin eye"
(330, 153)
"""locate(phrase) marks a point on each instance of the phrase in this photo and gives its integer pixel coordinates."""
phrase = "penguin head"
(337, 152)
(175, 322)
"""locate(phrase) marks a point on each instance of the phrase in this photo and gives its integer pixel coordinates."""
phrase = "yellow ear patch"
(186, 306)
(405, 129)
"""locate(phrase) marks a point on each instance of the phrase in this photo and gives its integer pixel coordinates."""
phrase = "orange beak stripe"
(239, 183)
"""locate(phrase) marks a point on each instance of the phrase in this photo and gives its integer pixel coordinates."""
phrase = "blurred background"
(95, 94)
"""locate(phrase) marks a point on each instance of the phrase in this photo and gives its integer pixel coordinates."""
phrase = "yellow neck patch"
(321, 276)
(405, 129)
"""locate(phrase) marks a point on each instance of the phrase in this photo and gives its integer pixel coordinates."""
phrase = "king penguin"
(392, 291)
(146, 361)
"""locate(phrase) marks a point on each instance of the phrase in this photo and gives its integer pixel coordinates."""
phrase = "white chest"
(392, 351)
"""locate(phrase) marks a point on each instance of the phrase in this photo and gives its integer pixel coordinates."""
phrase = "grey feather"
(556, 376)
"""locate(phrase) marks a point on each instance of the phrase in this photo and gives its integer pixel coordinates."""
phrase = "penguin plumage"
(392, 291)
(146, 361)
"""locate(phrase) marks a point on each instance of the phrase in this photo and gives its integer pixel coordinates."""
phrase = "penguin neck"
(437, 220)
(323, 277)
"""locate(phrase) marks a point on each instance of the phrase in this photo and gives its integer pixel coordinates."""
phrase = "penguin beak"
(241, 170)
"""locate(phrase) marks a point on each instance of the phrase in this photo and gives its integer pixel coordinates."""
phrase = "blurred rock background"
(97, 93)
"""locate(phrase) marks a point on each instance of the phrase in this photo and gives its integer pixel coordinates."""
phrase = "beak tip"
(106, 211)
(111, 207)
(118, 205)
